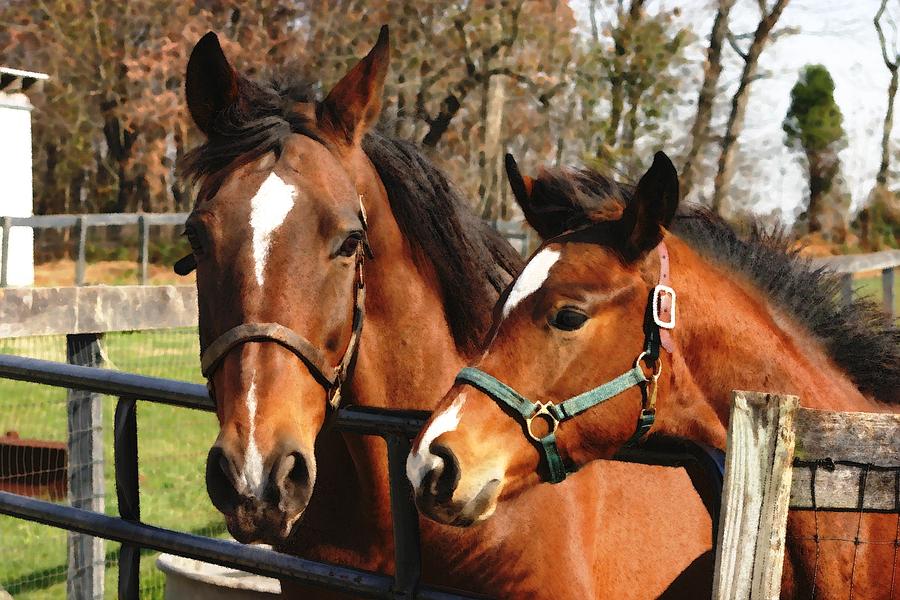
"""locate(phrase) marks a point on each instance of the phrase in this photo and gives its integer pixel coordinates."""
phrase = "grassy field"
(172, 447)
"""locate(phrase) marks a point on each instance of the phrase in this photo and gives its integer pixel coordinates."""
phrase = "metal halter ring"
(542, 409)
(657, 368)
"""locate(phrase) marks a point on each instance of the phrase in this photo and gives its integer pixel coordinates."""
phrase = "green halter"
(557, 413)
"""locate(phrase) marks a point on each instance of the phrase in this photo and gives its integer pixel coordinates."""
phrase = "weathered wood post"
(887, 290)
(758, 469)
(847, 288)
(144, 253)
(4, 251)
(86, 485)
(81, 258)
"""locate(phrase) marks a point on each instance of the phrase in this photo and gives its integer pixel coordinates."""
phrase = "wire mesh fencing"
(37, 458)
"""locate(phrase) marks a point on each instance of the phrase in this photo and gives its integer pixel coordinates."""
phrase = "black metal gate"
(396, 427)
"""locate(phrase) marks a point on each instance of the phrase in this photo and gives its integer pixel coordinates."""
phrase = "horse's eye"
(351, 244)
(568, 319)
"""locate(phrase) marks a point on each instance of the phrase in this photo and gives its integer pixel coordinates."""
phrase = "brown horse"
(299, 202)
(746, 315)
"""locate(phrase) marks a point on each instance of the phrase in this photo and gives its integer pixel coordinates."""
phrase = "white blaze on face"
(421, 461)
(252, 473)
(532, 278)
(268, 209)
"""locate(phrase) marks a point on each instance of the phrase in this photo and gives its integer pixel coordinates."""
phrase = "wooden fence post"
(4, 252)
(86, 485)
(887, 290)
(81, 258)
(144, 252)
(758, 469)
(847, 288)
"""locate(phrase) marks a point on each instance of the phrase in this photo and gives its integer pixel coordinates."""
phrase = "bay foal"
(577, 339)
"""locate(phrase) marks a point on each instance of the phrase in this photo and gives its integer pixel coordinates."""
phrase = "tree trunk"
(617, 79)
(739, 104)
(712, 69)
(823, 168)
(886, 131)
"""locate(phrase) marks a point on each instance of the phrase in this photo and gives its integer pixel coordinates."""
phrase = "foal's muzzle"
(439, 498)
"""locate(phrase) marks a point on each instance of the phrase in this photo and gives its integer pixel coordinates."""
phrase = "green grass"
(172, 444)
(871, 287)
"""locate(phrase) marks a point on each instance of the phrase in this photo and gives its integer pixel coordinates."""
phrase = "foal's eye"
(351, 244)
(568, 319)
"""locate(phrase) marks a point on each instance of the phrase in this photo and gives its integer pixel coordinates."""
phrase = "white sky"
(836, 33)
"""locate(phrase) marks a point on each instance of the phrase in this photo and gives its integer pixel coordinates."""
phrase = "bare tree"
(892, 64)
(712, 69)
(762, 35)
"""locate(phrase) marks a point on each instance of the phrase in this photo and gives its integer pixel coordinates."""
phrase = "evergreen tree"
(814, 125)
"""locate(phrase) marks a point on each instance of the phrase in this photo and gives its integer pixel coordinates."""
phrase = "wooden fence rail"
(81, 223)
(773, 447)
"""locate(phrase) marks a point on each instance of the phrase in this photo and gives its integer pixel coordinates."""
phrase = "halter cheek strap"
(330, 377)
(659, 319)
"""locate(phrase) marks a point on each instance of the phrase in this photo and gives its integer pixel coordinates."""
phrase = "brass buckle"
(542, 409)
(657, 367)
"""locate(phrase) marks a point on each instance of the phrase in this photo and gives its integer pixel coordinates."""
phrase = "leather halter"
(659, 319)
(331, 378)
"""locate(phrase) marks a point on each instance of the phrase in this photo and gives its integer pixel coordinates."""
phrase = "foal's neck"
(730, 336)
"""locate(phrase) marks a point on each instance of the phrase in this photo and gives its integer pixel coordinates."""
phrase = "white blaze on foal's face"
(532, 278)
(268, 210)
(421, 460)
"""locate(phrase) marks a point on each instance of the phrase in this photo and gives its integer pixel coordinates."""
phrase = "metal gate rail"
(396, 427)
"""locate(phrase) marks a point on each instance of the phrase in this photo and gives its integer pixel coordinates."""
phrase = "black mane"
(472, 262)
(858, 336)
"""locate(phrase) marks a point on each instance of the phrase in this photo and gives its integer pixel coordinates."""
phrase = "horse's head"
(278, 234)
(572, 321)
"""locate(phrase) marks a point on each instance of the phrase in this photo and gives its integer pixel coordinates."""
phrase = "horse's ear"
(547, 218)
(652, 207)
(352, 107)
(211, 84)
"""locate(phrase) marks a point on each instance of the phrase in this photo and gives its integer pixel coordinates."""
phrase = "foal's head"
(573, 320)
(278, 234)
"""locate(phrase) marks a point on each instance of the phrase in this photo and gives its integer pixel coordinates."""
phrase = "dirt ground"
(110, 272)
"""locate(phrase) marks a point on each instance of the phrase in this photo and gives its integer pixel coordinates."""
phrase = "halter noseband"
(659, 319)
(331, 378)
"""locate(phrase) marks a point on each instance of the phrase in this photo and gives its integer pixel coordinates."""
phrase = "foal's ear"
(546, 218)
(352, 107)
(652, 207)
(211, 84)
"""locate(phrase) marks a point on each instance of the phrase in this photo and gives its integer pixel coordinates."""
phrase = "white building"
(16, 198)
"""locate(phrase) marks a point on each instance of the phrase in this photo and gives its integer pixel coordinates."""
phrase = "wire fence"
(34, 428)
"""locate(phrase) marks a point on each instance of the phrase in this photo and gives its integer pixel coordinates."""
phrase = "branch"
(892, 66)
(732, 41)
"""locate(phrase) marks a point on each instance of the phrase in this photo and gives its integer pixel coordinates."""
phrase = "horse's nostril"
(447, 478)
(292, 470)
(220, 480)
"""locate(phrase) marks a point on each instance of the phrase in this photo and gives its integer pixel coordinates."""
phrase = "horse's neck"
(730, 336)
(407, 356)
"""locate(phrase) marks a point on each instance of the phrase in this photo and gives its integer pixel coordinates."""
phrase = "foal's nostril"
(447, 476)
(220, 480)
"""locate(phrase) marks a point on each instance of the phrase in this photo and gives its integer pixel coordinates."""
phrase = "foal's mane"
(857, 336)
(472, 262)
